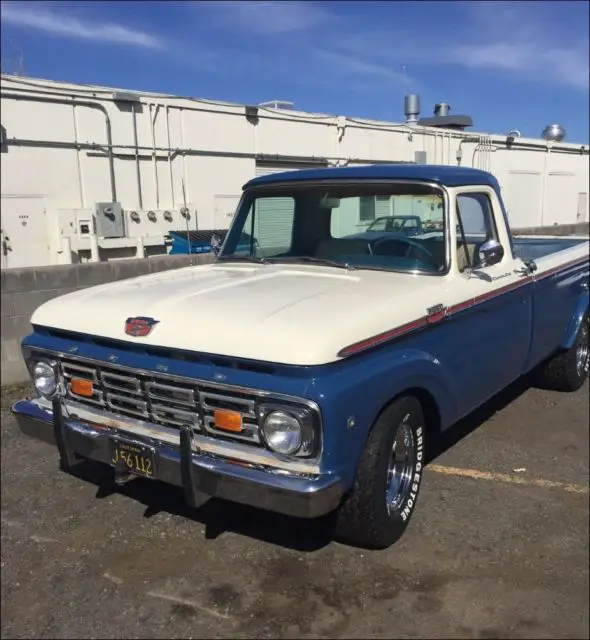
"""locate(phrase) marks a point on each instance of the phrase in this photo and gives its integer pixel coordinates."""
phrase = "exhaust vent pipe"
(442, 109)
(412, 107)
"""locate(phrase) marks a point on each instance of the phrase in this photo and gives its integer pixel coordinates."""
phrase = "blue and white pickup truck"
(307, 372)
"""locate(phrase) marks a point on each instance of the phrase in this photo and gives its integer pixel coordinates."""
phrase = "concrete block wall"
(23, 290)
(578, 229)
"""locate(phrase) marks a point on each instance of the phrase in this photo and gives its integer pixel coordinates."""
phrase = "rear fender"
(576, 320)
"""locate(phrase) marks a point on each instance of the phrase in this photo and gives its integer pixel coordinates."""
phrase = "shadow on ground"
(219, 516)
(451, 436)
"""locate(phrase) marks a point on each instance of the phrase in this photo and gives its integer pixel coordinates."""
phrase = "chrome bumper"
(199, 474)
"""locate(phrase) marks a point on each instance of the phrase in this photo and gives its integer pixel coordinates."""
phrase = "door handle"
(530, 266)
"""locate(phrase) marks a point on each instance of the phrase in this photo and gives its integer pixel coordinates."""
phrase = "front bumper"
(198, 473)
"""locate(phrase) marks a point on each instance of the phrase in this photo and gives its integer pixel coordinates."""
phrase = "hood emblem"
(139, 326)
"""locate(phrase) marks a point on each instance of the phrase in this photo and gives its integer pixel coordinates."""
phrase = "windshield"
(392, 227)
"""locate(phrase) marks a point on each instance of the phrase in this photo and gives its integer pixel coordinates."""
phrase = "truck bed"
(534, 247)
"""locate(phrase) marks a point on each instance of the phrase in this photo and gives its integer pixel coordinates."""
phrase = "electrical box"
(420, 157)
(85, 227)
(110, 222)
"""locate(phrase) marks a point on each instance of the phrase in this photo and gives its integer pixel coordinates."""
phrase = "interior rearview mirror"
(491, 252)
(328, 202)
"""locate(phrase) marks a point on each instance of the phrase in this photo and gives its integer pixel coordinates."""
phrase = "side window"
(476, 221)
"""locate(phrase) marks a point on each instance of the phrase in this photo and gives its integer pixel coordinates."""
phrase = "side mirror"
(491, 252)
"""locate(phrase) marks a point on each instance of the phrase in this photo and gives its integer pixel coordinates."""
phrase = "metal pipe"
(184, 174)
(78, 160)
(94, 248)
(435, 141)
(84, 103)
(65, 251)
(154, 164)
(140, 248)
(239, 113)
(91, 146)
(171, 176)
(350, 122)
(137, 168)
(544, 183)
(449, 145)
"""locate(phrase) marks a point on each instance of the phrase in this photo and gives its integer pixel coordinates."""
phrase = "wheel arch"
(581, 310)
(430, 407)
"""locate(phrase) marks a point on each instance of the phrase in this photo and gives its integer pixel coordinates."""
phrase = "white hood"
(290, 314)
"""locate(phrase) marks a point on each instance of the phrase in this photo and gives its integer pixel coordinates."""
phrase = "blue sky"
(508, 65)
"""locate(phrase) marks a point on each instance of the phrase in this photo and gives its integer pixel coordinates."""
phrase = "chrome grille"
(160, 399)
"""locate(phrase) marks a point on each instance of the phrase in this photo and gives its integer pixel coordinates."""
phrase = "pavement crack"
(188, 603)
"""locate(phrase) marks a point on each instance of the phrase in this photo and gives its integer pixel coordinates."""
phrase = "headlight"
(282, 432)
(288, 430)
(44, 378)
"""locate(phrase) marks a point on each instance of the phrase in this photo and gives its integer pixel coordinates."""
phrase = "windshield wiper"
(329, 263)
(242, 259)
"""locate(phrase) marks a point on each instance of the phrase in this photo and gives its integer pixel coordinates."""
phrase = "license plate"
(138, 459)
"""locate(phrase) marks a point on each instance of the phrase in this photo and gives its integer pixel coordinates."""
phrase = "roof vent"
(554, 132)
(443, 120)
(278, 104)
(442, 109)
(412, 107)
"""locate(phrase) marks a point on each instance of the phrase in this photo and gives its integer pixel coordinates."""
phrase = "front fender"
(354, 392)
(576, 320)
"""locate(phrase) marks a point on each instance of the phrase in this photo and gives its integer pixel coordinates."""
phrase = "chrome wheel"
(582, 354)
(401, 466)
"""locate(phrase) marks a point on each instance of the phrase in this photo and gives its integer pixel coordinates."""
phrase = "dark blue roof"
(443, 174)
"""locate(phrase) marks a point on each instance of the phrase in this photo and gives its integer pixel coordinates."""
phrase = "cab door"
(491, 308)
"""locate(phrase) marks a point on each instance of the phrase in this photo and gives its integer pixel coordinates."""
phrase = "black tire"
(364, 518)
(563, 371)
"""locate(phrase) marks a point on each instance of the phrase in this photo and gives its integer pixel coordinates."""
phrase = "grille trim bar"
(82, 369)
(164, 419)
(118, 402)
(259, 393)
(163, 403)
(250, 404)
(192, 419)
(106, 377)
(190, 393)
(249, 433)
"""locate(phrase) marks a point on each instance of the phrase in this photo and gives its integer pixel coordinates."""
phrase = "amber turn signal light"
(228, 420)
(82, 387)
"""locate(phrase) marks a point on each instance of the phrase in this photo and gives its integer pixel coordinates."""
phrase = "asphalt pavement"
(498, 546)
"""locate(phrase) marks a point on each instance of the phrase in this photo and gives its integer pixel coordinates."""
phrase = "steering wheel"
(411, 247)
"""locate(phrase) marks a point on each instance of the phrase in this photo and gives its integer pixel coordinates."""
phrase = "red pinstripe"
(425, 321)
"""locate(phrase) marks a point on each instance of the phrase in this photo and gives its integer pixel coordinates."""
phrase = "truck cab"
(306, 369)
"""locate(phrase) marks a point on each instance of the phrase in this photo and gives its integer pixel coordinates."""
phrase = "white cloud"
(511, 44)
(555, 65)
(33, 17)
(265, 17)
(532, 43)
(345, 64)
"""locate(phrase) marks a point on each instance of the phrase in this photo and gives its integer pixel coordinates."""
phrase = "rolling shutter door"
(274, 216)
(382, 206)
